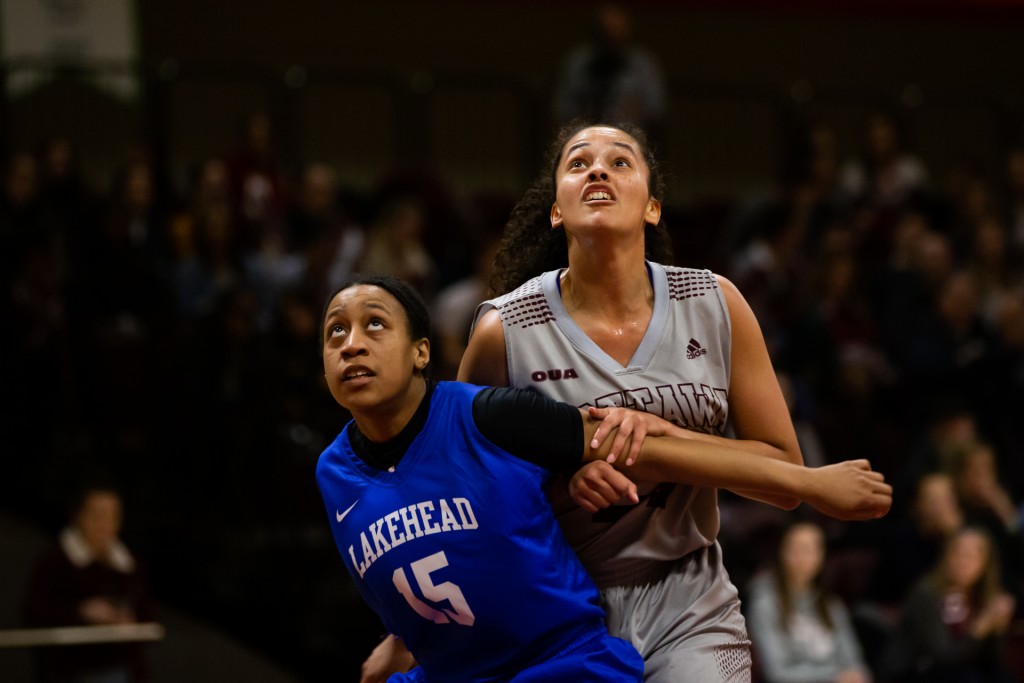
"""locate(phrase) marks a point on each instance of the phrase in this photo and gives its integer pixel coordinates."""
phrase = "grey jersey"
(680, 371)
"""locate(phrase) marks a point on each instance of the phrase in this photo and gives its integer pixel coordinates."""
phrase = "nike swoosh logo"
(341, 515)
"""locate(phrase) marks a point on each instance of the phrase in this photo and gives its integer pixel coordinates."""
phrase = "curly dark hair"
(530, 247)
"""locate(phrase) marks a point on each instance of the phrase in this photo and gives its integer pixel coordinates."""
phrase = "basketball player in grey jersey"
(680, 346)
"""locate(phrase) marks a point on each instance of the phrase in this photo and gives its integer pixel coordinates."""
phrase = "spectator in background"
(68, 204)
(912, 543)
(315, 207)
(207, 248)
(135, 219)
(955, 619)
(612, 79)
(209, 265)
(272, 255)
(968, 200)
(802, 633)
(257, 185)
(886, 180)
(989, 505)
(455, 306)
(904, 285)
(994, 266)
(323, 230)
(395, 245)
(952, 348)
(90, 578)
(19, 203)
(811, 176)
(887, 174)
(907, 545)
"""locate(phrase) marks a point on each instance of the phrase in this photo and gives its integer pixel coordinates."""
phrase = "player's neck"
(386, 421)
(613, 288)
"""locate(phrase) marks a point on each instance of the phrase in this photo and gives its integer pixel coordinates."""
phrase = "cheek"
(334, 388)
(566, 184)
(564, 199)
(560, 196)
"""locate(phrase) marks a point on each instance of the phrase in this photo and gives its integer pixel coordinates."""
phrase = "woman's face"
(602, 181)
(99, 520)
(802, 554)
(369, 360)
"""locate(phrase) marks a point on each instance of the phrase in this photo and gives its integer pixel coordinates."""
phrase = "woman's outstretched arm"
(848, 490)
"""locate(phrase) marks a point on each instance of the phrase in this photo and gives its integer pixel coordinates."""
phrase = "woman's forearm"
(847, 490)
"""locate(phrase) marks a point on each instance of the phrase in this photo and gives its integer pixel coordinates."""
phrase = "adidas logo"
(694, 350)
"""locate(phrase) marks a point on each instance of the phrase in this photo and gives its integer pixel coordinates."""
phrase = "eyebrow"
(584, 143)
(374, 305)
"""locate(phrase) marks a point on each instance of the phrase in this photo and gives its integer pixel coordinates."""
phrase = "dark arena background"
(179, 179)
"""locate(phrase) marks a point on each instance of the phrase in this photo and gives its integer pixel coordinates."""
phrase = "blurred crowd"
(166, 336)
(893, 304)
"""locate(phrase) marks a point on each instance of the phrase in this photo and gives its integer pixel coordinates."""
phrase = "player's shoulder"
(452, 389)
(686, 283)
(525, 306)
(530, 290)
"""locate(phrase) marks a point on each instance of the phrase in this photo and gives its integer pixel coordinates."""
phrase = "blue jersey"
(459, 553)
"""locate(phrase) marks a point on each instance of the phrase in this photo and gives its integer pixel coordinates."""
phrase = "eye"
(622, 162)
(375, 324)
(576, 163)
(336, 331)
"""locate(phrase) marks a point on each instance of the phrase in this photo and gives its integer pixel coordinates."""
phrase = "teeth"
(355, 375)
(597, 195)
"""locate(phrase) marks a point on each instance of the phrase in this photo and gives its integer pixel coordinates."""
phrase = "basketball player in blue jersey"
(436, 495)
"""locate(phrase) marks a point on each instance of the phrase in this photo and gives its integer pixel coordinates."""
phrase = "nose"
(596, 173)
(353, 345)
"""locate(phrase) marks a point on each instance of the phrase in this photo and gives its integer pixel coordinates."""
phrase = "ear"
(653, 212)
(421, 354)
(556, 216)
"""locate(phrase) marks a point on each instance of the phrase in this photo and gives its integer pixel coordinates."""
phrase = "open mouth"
(599, 195)
(356, 375)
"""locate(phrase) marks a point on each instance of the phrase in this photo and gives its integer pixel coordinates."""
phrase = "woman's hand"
(389, 657)
(995, 616)
(850, 490)
(102, 611)
(631, 428)
(598, 485)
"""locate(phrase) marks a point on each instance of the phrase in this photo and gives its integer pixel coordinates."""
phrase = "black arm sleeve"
(531, 426)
